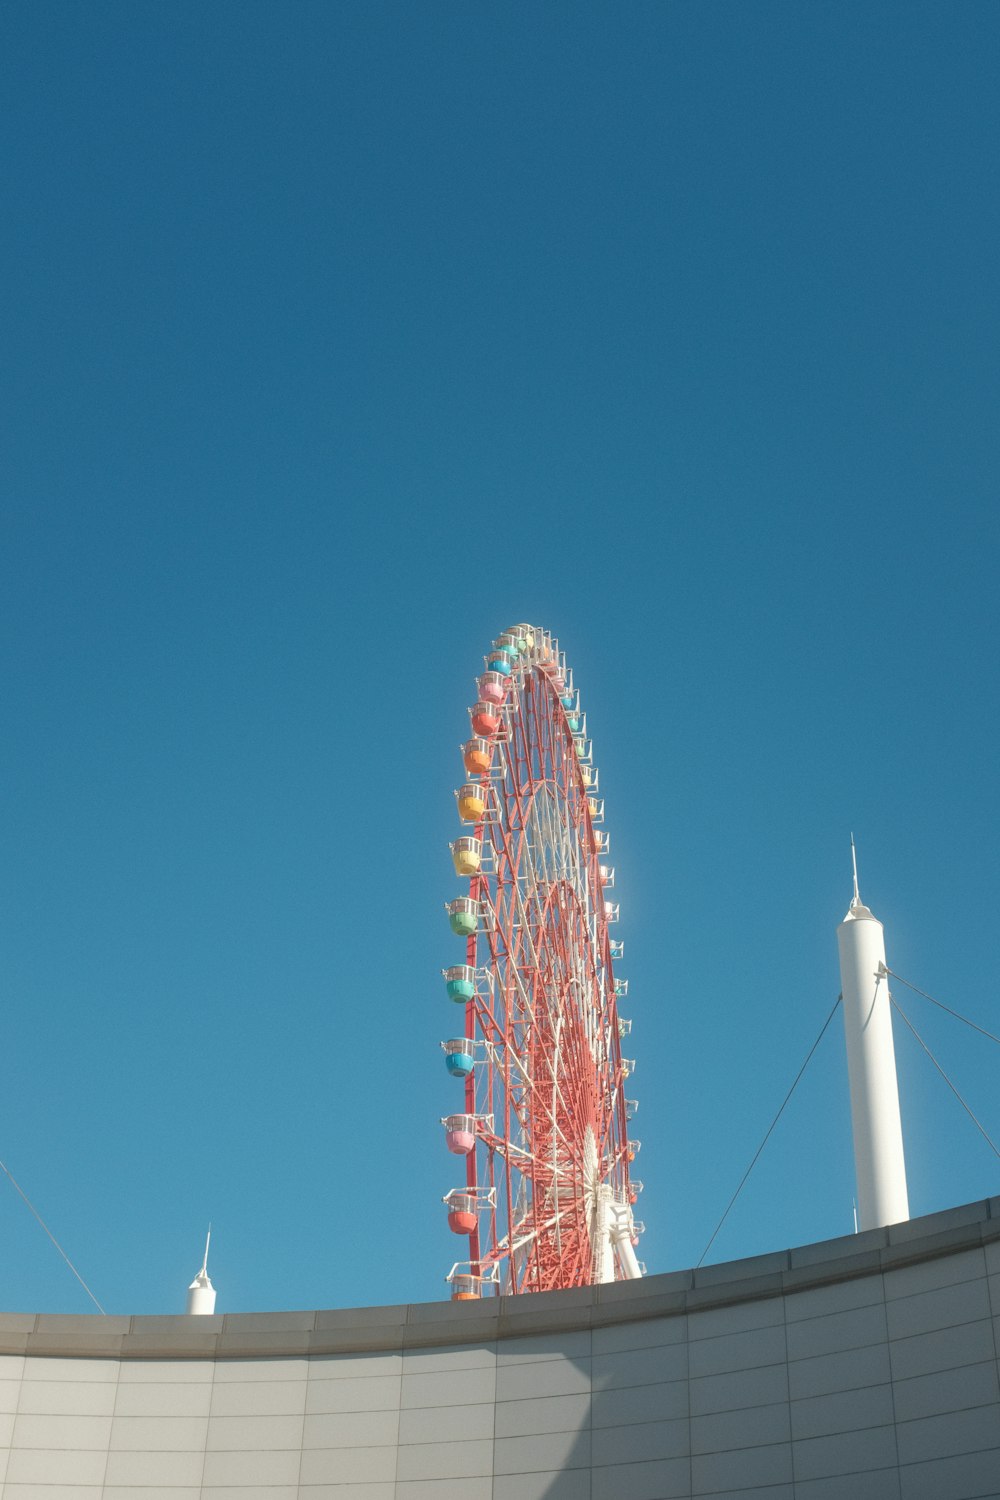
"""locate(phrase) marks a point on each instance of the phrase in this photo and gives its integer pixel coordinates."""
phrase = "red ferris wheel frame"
(547, 1201)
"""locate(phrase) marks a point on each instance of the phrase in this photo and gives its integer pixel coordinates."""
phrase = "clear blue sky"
(337, 337)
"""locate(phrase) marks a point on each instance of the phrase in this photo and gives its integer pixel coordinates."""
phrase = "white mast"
(871, 1065)
(201, 1292)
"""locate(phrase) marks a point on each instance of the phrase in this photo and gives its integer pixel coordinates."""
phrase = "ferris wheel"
(548, 1198)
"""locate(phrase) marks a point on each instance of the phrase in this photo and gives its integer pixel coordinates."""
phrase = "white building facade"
(858, 1369)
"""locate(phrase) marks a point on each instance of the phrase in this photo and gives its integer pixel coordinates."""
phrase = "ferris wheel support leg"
(603, 1221)
(621, 1238)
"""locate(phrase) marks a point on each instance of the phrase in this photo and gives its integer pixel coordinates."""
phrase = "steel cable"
(770, 1128)
(941, 1006)
(20, 1191)
(944, 1075)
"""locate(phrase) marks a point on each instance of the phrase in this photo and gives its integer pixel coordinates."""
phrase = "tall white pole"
(871, 1065)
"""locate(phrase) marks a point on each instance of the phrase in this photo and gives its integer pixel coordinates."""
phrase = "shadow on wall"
(883, 1384)
(598, 1415)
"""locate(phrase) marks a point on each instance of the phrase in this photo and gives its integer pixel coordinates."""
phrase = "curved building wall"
(863, 1368)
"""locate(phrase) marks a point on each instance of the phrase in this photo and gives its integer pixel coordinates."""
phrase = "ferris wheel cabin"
(485, 719)
(493, 687)
(458, 1056)
(463, 916)
(476, 756)
(459, 1133)
(462, 1211)
(467, 855)
(460, 982)
(471, 802)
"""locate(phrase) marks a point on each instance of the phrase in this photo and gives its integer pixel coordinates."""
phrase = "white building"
(863, 1368)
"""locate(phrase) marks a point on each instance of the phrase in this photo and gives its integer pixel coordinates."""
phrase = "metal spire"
(856, 901)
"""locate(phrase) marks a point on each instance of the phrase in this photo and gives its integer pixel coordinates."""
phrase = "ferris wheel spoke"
(528, 1121)
(523, 1236)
